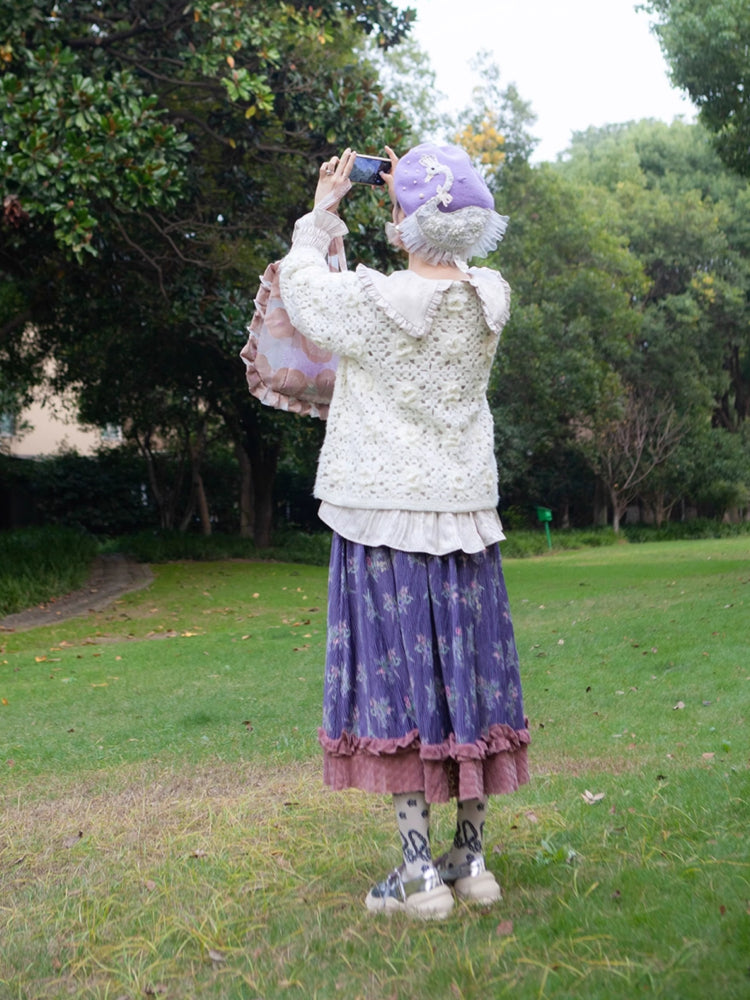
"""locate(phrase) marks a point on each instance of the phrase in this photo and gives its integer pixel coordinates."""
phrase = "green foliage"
(520, 544)
(695, 528)
(572, 322)
(77, 134)
(409, 79)
(110, 493)
(102, 495)
(241, 102)
(289, 545)
(37, 564)
(93, 124)
(496, 123)
(706, 44)
(683, 216)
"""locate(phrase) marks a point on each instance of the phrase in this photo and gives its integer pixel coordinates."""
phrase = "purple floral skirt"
(422, 686)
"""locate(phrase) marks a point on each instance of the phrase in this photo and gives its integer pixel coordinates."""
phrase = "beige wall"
(47, 428)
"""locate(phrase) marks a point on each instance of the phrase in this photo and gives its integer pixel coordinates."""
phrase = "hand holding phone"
(367, 169)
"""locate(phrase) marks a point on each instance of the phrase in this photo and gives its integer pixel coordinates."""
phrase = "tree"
(572, 323)
(495, 128)
(409, 79)
(627, 449)
(684, 217)
(99, 99)
(706, 44)
(187, 138)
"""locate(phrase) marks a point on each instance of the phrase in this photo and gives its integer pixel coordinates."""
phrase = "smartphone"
(367, 169)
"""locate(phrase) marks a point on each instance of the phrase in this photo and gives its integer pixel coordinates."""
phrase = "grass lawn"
(164, 831)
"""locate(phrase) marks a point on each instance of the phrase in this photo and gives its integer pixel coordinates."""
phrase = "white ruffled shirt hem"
(434, 532)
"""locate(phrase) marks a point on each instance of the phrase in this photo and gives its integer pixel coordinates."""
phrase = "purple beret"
(429, 170)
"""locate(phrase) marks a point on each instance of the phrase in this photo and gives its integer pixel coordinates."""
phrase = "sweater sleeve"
(320, 303)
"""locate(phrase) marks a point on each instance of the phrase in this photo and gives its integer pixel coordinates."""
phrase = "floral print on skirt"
(422, 684)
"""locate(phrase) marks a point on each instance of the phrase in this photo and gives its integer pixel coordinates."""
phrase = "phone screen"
(366, 169)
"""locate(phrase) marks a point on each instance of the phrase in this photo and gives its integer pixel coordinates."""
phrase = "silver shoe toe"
(395, 886)
(424, 896)
(469, 869)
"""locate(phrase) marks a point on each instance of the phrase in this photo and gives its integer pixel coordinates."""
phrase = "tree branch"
(146, 256)
(104, 41)
(20, 320)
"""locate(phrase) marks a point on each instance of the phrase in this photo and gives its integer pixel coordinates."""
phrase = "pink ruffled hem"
(495, 765)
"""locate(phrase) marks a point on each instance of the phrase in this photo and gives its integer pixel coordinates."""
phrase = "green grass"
(37, 564)
(165, 833)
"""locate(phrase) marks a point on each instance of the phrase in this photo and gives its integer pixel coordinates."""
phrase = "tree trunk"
(205, 514)
(247, 513)
(196, 449)
(264, 459)
(619, 508)
(565, 514)
(159, 491)
(263, 511)
(600, 506)
(660, 508)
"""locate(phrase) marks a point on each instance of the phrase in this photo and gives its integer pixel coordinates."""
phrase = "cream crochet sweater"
(409, 427)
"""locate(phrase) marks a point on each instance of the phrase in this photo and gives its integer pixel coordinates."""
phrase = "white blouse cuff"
(317, 229)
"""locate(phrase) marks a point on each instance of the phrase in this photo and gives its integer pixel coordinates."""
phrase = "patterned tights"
(413, 818)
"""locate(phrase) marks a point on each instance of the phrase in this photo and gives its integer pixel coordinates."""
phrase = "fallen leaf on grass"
(216, 956)
(149, 884)
(708, 756)
(73, 840)
(504, 928)
(198, 853)
(591, 798)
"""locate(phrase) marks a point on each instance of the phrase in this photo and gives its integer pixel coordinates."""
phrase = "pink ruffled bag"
(284, 369)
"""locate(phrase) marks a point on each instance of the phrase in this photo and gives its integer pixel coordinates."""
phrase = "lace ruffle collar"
(411, 301)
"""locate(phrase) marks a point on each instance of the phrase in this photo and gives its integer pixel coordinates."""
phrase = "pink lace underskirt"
(496, 765)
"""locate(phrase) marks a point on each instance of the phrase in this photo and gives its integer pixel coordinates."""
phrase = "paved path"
(112, 575)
